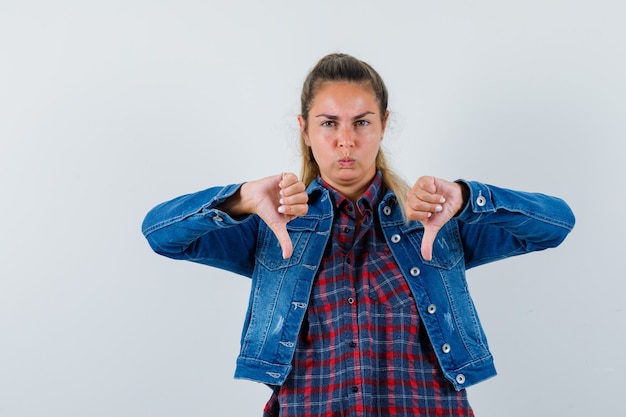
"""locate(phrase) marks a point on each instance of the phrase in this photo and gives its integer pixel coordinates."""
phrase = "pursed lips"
(346, 161)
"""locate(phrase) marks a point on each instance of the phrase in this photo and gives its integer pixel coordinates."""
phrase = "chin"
(348, 177)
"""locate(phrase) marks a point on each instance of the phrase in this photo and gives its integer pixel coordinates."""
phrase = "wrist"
(237, 204)
(465, 196)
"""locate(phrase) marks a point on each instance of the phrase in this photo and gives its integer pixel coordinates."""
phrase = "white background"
(108, 108)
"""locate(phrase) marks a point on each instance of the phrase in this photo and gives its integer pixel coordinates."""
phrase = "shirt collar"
(367, 201)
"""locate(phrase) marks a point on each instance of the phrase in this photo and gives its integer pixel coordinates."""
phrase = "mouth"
(346, 162)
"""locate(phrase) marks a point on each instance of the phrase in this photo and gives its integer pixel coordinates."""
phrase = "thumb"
(284, 240)
(430, 233)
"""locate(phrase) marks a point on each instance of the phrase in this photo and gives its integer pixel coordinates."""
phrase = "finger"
(284, 240)
(294, 210)
(288, 179)
(417, 208)
(288, 200)
(293, 197)
(297, 187)
(420, 194)
(427, 183)
(430, 233)
(416, 214)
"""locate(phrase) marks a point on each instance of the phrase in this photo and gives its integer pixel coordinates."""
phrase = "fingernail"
(442, 200)
(281, 209)
(438, 209)
(281, 201)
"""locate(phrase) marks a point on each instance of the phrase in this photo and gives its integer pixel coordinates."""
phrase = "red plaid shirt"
(362, 349)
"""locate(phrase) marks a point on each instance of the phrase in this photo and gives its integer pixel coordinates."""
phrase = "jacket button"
(386, 210)
(481, 200)
(460, 378)
(445, 348)
(415, 271)
(395, 238)
(432, 308)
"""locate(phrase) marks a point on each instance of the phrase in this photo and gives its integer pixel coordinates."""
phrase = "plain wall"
(108, 108)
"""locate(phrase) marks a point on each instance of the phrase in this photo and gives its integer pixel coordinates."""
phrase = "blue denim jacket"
(497, 223)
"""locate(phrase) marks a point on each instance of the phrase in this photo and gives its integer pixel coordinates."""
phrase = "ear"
(302, 124)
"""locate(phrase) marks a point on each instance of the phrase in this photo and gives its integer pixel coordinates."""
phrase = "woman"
(358, 304)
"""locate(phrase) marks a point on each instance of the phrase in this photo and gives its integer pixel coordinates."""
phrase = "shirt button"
(355, 389)
(432, 308)
(348, 261)
(218, 219)
(346, 230)
(460, 378)
(350, 300)
(386, 210)
(445, 348)
(352, 344)
(395, 238)
(415, 271)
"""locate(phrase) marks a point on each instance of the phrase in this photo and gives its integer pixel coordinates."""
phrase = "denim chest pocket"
(269, 253)
(447, 248)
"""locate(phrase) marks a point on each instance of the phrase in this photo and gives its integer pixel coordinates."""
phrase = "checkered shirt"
(362, 349)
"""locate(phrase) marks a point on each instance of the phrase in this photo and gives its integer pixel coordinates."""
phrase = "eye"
(362, 123)
(328, 123)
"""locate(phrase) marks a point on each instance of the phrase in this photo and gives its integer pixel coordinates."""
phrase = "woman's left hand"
(433, 201)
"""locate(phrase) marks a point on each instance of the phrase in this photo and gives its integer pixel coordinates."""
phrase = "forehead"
(344, 96)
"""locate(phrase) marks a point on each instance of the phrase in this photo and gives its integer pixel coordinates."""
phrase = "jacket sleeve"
(189, 227)
(498, 223)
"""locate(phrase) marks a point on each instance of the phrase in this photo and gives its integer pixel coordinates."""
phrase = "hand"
(276, 200)
(433, 201)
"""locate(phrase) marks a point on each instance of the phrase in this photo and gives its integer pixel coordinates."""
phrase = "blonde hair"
(343, 67)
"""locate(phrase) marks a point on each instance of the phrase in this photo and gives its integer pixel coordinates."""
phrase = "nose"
(346, 140)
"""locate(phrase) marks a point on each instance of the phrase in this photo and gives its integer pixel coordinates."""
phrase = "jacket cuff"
(209, 210)
(480, 201)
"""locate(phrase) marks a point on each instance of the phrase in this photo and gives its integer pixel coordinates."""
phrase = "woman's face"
(344, 132)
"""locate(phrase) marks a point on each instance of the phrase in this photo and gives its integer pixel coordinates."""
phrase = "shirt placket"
(352, 253)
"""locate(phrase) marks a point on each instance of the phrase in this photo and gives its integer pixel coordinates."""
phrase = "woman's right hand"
(276, 200)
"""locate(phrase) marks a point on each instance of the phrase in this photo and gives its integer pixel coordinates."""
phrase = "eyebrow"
(333, 117)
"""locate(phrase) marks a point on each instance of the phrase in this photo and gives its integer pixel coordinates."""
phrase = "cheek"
(372, 141)
(319, 150)
(320, 140)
